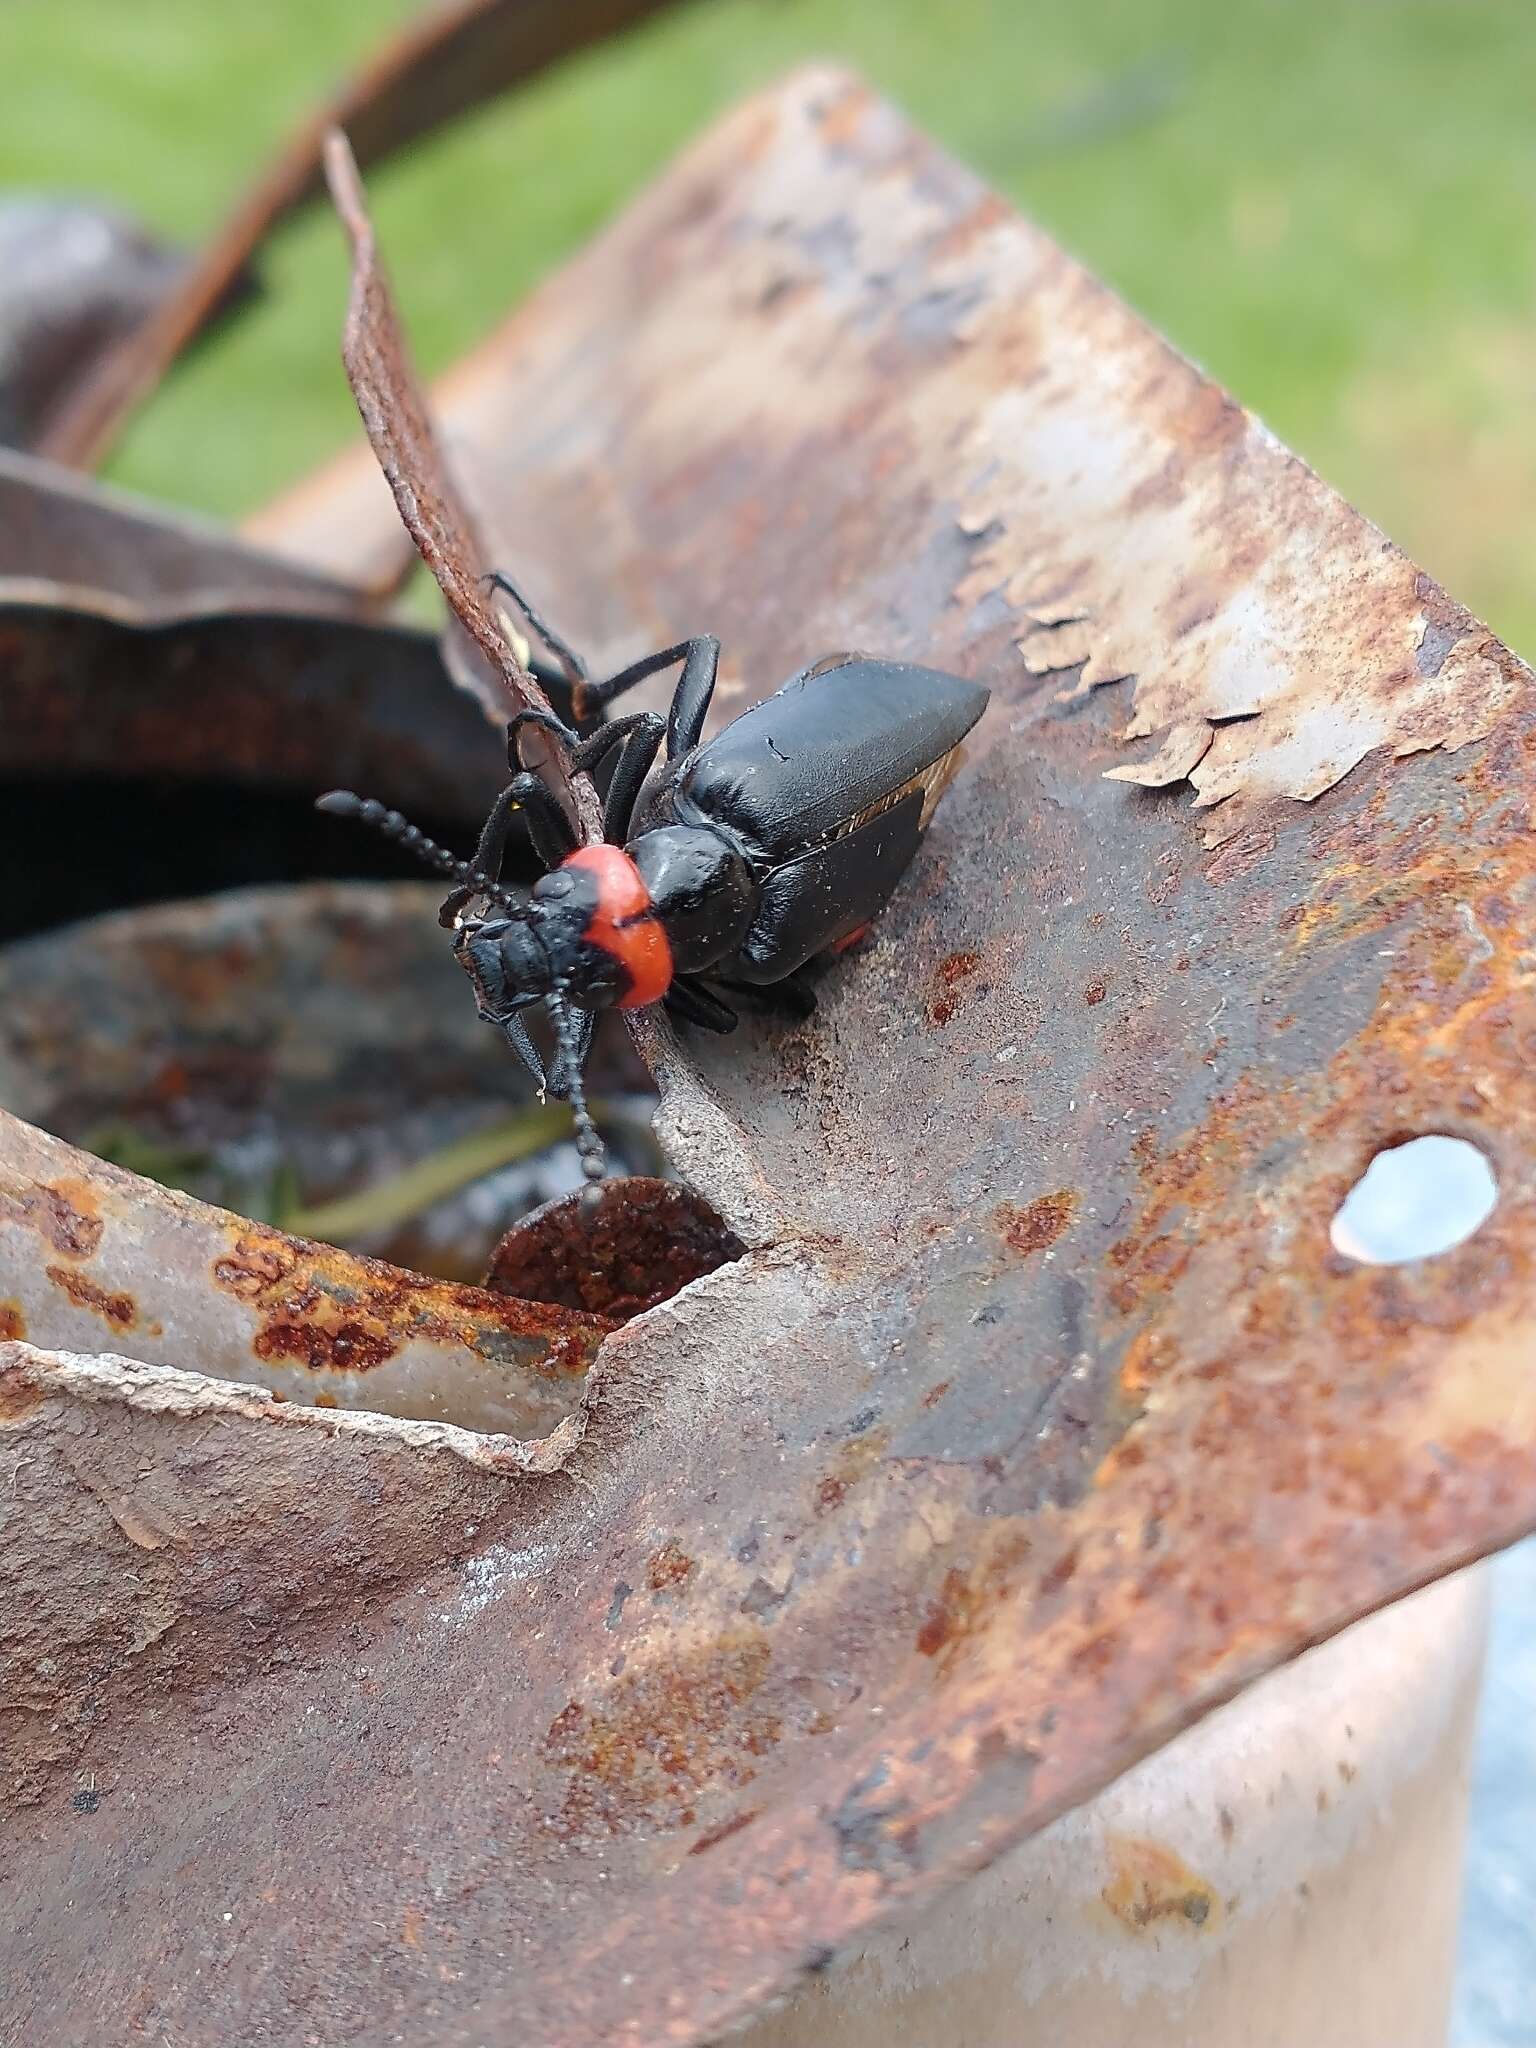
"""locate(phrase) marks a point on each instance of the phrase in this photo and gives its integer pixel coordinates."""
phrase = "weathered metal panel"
(1041, 1415)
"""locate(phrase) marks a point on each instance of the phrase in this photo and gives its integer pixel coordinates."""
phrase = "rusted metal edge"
(68, 541)
(437, 67)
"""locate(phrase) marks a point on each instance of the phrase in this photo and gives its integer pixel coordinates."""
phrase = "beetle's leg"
(791, 997)
(690, 1001)
(638, 737)
(548, 826)
(575, 667)
(642, 742)
(560, 1075)
(488, 856)
(526, 1050)
(690, 701)
(546, 721)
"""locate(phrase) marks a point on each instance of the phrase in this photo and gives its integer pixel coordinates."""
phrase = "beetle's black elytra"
(778, 840)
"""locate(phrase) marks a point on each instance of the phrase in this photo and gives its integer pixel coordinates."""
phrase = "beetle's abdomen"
(810, 905)
(824, 754)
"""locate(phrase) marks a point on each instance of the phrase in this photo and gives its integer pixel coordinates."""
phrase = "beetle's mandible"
(720, 877)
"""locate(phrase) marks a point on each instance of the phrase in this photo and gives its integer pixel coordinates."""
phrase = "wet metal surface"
(1040, 1415)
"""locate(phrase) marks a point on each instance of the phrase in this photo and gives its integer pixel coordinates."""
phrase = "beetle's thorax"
(702, 891)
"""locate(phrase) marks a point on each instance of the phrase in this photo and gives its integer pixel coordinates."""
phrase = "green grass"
(1329, 203)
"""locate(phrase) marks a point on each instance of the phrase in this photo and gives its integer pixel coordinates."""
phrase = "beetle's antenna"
(593, 1153)
(341, 803)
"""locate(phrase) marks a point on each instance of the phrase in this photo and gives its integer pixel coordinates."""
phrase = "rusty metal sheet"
(139, 640)
(78, 277)
(65, 540)
(1040, 1415)
(448, 60)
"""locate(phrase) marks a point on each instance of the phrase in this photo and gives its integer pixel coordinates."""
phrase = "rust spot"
(949, 976)
(948, 1616)
(411, 1924)
(1095, 993)
(61, 1213)
(663, 1736)
(120, 1310)
(20, 1396)
(334, 1311)
(1060, 1573)
(831, 1494)
(13, 1324)
(326, 1401)
(253, 1267)
(1038, 1224)
(936, 1394)
(1151, 1882)
(350, 1347)
(725, 1830)
(669, 1567)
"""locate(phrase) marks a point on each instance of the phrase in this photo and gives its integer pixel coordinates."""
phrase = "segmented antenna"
(590, 1147)
(341, 803)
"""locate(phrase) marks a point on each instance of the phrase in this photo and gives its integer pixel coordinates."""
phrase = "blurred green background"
(1329, 203)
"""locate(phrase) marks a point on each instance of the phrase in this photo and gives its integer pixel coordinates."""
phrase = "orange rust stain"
(326, 1401)
(1095, 993)
(1151, 1882)
(19, 1397)
(948, 976)
(411, 1924)
(936, 1394)
(13, 1324)
(662, 1737)
(949, 1614)
(334, 1311)
(120, 1310)
(1039, 1223)
(668, 1567)
(62, 1212)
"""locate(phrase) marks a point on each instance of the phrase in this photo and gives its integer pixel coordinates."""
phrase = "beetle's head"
(518, 948)
(507, 966)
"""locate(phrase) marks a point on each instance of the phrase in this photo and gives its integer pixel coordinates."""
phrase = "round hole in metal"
(1414, 1201)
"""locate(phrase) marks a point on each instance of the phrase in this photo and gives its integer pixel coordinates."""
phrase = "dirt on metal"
(1039, 1415)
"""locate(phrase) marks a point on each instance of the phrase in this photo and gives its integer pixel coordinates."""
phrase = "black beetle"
(778, 840)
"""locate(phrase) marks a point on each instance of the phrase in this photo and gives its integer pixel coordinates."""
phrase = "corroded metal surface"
(443, 63)
(649, 1239)
(1041, 1415)
(95, 1258)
